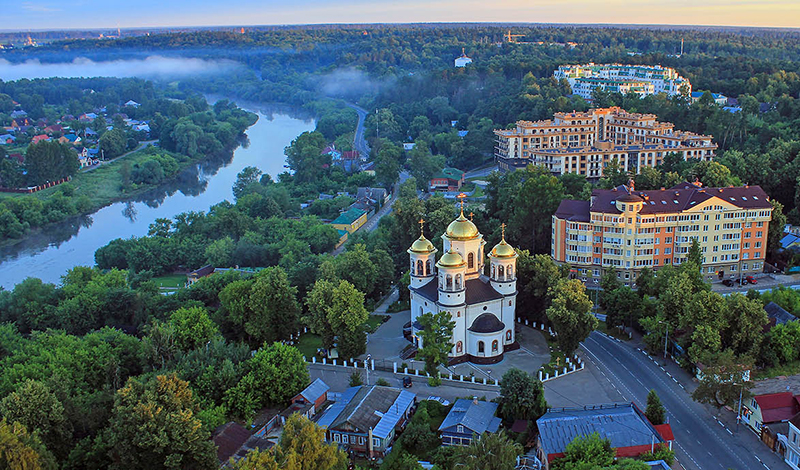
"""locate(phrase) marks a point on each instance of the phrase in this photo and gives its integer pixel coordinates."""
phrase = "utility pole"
(366, 366)
(739, 413)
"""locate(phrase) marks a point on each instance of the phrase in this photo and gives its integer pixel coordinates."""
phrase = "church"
(481, 306)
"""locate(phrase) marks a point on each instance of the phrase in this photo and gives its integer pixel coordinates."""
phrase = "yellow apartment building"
(627, 230)
(585, 142)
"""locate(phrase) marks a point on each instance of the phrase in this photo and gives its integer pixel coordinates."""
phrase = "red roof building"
(770, 408)
(39, 138)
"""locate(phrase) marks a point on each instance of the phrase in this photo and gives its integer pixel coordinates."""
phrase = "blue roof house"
(467, 419)
(365, 419)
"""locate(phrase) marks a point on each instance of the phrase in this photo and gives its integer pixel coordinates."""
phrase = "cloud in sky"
(150, 67)
(150, 13)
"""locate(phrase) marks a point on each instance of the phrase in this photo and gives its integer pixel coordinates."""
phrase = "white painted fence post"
(394, 367)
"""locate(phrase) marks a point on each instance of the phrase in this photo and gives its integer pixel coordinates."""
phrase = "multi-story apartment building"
(626, 230)
(585, 142)
(640, 79)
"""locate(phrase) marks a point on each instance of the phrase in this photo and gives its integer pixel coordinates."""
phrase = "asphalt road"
(700, 441)
(359, 142)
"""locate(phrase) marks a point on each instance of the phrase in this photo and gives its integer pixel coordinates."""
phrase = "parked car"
(742, 281)
(439, 399)
(727, 283)
(406, 382)
(751, 279)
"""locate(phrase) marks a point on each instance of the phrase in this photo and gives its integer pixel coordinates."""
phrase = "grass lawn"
(611, 331)
(557, 358)
(171, 281)
(308, 345)
(478, 191)
(373, 322)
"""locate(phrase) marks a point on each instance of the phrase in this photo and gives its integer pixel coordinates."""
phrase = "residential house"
(235, 442)
(792, 455)
(6, 139)
(624, 424)
(87, 117)
(309, 401)
(141, 127)
(89, 133)
(718, 98)
(350, 161)
(67, 118)
(18, 113)
(132, 104)
(350, 220)
(69, 139)
(449, 179)
(790, 241)
(376, 196)
(366, 419)
(54, 129)
(468, 419)
(197, 274)
(777, 316)
(38, 138)
(409, 146)
(769, 408)
(343, 234)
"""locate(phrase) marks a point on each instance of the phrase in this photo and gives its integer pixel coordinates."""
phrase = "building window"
(428, 267)
(344, 439)
(500, 274)
(420, 272)
(459, 347)
(471, 260)
(508, 335)
(460, 429)
(481, 347)
(458, 281)
(336, 438)
(376, 442)
(495, 346)
(361, 440)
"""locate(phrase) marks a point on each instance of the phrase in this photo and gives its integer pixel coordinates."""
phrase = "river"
(50, 254)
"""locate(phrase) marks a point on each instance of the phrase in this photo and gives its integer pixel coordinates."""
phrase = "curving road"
(359, 142)
(701, 442)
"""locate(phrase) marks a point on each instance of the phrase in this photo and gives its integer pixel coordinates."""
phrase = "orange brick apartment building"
(626, 230)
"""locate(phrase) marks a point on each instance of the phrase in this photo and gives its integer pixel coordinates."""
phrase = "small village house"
(350, 220)
(769, 408)
(366, 419)
(468, 419)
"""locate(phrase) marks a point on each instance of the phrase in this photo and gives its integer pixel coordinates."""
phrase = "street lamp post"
(739, 413)
(366, 366)
(666, 337)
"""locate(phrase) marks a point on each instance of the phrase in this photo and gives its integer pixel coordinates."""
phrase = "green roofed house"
(449, 179)
(350, 220)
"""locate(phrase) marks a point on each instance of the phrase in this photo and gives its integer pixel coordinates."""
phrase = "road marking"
(680, 399)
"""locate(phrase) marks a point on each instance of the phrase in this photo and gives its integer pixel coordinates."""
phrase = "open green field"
(308, 345)
(171, 281)
(373, 322)
(102, 186)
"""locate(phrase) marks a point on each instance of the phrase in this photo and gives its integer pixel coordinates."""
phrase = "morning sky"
(47, 14)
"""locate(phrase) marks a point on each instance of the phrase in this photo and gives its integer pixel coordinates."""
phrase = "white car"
(439, 399)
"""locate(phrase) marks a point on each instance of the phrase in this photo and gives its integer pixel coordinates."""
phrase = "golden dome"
(461, 229)
(503, 250)
(451, 259)
(422, 245)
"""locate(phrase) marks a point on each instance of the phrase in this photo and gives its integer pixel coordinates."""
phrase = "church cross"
(461, 198)
(421, 223)
(503, 227)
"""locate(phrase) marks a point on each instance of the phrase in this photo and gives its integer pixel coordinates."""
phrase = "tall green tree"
(493, 451)
(34, 405)
(154, 425)
(338, 308)
(193, 327)
(49, 161)
(22, 450)
(436, 334)
(655, 411)
(569, 314)
(585, 452)
(521, 396)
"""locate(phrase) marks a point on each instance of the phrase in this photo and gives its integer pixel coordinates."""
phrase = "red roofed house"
(39, 138)
(54, 129)
(770, 408)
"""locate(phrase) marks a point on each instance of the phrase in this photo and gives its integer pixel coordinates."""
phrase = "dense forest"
(105, 341)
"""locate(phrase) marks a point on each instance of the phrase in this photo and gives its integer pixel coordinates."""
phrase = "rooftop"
(349, 216)
(622, 423)
(365, 407)
(476, 416)
(777, 406)
(316, 389)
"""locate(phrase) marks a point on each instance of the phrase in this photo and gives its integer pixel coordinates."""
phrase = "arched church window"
(500, 274)
(428, 267)
(471, 260)
(508, 335)
(481, 347)
(459, 347)
(458, 281)
(494, 346)
(510, 272)
(420, 272)
(412, 267)
(441, 282)
(449, 282)
(494, 271)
